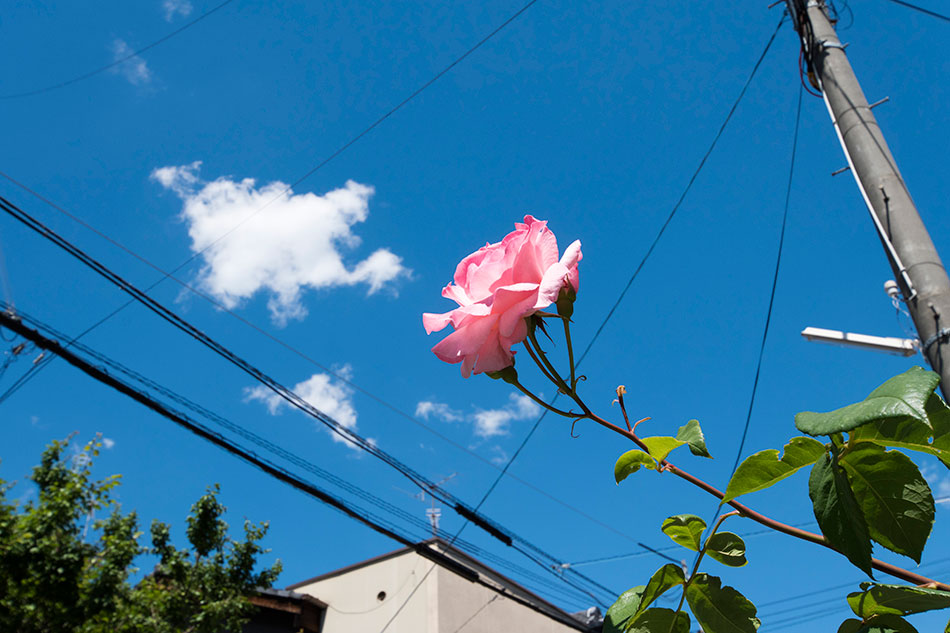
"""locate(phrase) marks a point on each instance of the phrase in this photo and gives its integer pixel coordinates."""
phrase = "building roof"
(462, 564)
(280, 609)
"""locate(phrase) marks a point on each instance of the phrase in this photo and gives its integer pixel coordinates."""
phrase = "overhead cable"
(36, 368)
(179, 400)
(778, 266)
(933, 14)
(284, 192)
(646, 256)
(768, 313)
(121, 60)
(280, 390)
(423, 549)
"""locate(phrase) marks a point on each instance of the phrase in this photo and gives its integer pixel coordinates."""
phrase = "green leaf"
(720, 609)
(939, 415)
(838, 513)
(902, 397)
(623, 609)
(850, 626)
(913, 434)
(659, 621)
(878, 624)
(685, 530)
(894, 498)
(630, 462)
(764, 469)
(694, 438)
(878, 599)
(661, 446)
(665, 578)
(727, 548)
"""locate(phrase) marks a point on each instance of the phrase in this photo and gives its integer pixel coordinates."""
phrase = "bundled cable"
(539, 556)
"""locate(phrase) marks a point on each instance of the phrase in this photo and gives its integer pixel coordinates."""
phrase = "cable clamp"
(830, 44)
(812, 4)
(941, 335)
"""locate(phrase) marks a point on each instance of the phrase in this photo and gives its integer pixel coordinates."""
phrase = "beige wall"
(460, 600)
(353, 607)
(445, 603)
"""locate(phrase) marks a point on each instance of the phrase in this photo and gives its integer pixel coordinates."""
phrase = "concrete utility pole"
(917, 267)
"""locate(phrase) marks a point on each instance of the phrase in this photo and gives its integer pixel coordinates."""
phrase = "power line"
(787, 622)
(362, 133)
(768, 314)
(934, 14)
(778, 265)
(296, 182)
(669, 548)
(291, 397)
(36, 368)
(121, 60)
(13, 323)
(222, 422)
(474, 615)
(636, 272)
(689, 185)
(646, 256)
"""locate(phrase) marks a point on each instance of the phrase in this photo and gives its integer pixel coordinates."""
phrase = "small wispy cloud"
(134, 69)
(176, 7)
(329, 395)
(492, 422)
(438, 410)
(108, 442)
(486, 423)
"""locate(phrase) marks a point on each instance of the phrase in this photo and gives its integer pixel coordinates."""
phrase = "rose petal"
(513, 303)
(554, 279)
(435, 322)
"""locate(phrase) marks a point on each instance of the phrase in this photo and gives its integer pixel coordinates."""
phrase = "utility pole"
(917, 267)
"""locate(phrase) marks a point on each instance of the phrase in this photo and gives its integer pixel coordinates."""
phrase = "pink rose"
(496, 287)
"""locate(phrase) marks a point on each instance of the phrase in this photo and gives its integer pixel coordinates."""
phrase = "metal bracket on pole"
(830, 44)
(942, 334)
(891, 251)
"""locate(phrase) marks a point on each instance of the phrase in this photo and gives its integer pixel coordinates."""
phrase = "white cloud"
(486, 422)
(298, 245)
(438, 410)
(332, 397)
(108, 442)
(135, 70)
(176, 7)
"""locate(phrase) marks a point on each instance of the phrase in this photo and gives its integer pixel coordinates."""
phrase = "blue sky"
(592, 117)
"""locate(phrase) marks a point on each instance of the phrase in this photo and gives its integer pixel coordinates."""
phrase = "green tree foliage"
(64, 569)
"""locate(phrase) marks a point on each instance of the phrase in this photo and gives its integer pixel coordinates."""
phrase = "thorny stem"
(544, 404)
(570, 351)
(702, 553)
(778, 526)
(553, 374)
(620, 391)
(665, 465)
(537, 361)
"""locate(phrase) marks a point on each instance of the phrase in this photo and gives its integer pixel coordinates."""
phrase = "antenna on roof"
(433, 514)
